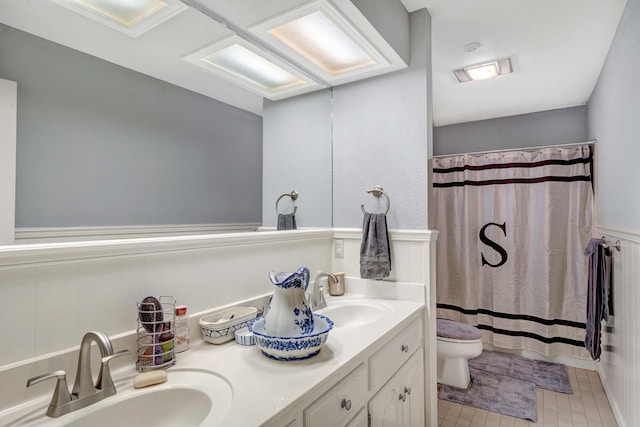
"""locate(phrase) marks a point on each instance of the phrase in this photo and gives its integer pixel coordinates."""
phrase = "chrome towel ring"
(378, 191)
(293, 195)
(606, 244)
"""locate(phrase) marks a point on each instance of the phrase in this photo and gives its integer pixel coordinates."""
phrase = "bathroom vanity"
(372, 366)
(383, 329)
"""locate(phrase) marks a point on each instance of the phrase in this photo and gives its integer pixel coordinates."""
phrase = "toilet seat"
(452, 331)
(458, 341)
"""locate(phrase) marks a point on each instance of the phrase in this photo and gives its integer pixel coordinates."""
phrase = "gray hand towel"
(287, 221)
(375, 252)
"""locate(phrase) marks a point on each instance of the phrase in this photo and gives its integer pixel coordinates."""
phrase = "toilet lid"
(456, 330)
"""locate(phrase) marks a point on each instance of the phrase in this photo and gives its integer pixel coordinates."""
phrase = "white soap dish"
(221, 327)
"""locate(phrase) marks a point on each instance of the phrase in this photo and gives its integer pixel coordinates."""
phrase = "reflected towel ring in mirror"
(293, 195)
(378, 191)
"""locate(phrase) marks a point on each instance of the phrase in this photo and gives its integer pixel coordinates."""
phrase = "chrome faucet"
(316, 298)
(85, 392)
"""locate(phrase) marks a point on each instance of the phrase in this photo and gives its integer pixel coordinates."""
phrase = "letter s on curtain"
(487, 241)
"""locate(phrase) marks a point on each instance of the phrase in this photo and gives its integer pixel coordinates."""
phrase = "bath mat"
(550, 376)
(496, 393)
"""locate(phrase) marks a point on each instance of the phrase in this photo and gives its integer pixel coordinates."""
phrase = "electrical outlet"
(338, 248)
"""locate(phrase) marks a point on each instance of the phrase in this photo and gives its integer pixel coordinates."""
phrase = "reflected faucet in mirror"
(85, 392)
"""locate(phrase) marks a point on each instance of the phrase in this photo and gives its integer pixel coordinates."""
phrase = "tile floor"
(586, 407)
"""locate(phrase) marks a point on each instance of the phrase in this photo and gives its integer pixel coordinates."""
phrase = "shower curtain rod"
(572, 144)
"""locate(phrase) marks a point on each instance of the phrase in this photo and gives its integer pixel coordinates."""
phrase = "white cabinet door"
(413, 386)
(360, 420)
(385, 408)
(400, 403)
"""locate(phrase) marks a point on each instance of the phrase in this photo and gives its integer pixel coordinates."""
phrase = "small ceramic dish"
(221, 327)
(244, 337)
(291, 348)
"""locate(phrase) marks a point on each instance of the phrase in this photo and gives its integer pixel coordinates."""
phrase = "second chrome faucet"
(316, 298)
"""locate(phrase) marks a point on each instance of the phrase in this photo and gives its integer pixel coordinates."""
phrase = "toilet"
(456, 344)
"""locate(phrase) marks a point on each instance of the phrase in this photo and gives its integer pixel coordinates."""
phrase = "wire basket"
(155, 333)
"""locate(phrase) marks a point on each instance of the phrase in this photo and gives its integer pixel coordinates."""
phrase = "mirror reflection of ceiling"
(557, 49)
(160, 49)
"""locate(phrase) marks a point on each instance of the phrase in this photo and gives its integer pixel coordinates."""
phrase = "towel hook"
(293, 195)
(378, 191)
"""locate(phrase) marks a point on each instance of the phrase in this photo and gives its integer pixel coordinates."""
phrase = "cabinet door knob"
(346, 404)
(407, 390)
(402, 397)
(404, 348)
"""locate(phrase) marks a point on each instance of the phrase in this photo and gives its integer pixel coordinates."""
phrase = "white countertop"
(261, 387)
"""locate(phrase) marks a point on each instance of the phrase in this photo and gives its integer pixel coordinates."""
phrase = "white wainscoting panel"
(17, 317)
(56, 302)
(619, 366)
(53, 293)
(413, 265)
(409, 254)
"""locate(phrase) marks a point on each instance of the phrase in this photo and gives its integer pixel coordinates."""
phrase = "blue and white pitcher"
(289, 314)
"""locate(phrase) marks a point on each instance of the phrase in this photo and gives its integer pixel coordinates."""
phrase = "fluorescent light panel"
(247, 65)
(255, 69)
(124, 12)
(319, 37)
(484, 71)
(132, 17)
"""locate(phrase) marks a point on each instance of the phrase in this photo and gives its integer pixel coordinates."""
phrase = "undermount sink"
(189, 398)
(349, 313)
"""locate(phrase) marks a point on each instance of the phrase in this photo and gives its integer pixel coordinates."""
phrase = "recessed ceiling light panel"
(246, 65)
(484, 71)
(320, 38)
(132, 17)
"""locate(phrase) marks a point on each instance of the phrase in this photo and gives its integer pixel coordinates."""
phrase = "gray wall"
(98, 144)
(379, 133)
(381, 137)
(614, 120)
(561, 126)
(391, 20)
(297, 156)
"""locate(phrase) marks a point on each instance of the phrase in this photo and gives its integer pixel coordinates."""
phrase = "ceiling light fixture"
(246, 65)
(320, 38)
(132, 17)
(484, 71)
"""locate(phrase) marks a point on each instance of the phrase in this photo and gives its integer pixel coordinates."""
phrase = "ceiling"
(557, 48)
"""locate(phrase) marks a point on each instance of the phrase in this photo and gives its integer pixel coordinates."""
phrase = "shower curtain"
(513, 228)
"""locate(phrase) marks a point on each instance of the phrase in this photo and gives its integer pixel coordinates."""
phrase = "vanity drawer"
(389, 358)
(340, 403)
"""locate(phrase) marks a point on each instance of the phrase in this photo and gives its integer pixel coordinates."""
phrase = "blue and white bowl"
(295, 347)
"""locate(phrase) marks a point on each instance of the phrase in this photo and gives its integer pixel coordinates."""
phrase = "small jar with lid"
(181, 329)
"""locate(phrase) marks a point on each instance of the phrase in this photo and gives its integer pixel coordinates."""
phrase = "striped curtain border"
(511, 316)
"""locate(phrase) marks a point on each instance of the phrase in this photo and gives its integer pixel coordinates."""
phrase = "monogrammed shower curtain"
(513, 228)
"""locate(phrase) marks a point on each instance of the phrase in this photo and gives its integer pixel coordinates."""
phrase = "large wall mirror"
(102, 146)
